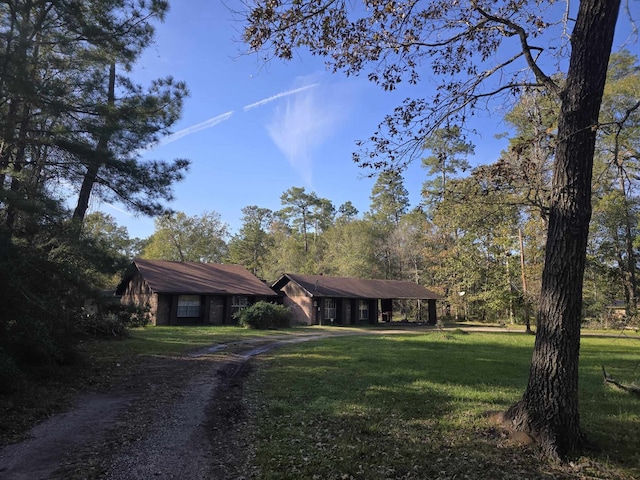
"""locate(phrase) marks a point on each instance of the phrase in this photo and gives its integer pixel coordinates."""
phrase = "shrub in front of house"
(264, 315)
(112, 320)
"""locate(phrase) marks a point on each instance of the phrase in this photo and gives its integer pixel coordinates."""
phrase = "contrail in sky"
(280, 95)
(195, 128)
(226, 116)
(111, 205)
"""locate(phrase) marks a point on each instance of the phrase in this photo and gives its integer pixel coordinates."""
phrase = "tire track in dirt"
(39, 456)
(175, 422)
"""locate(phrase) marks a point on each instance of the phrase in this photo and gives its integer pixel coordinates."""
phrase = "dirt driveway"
(181, 419)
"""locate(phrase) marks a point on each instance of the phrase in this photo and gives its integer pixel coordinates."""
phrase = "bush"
(112, 320)
(50, 301)
(264, 315)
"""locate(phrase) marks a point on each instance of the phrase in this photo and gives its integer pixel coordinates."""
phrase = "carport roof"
(345, 287)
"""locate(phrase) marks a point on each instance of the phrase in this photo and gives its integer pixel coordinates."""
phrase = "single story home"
(186, 293)
(324, 300)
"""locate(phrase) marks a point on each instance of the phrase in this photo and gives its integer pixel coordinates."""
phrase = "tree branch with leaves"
(459, 42)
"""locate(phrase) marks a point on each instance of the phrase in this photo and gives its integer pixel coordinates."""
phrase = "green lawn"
(178, 340)
(412, 406)
(388, 406)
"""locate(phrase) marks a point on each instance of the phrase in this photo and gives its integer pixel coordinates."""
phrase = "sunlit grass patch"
(413, 406)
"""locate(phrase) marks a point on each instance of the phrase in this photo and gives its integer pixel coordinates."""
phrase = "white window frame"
(188, 306)
(363, 310)
(239, 302)
(330, 308)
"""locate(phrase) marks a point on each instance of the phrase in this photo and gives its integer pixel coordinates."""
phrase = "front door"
(216, 310)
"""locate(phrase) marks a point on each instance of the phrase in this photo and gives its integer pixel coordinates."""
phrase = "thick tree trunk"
(548, 409)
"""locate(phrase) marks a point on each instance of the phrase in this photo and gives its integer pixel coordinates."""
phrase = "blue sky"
(254, 130)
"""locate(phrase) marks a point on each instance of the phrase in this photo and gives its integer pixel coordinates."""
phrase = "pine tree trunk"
(96, 163)
(548, 409)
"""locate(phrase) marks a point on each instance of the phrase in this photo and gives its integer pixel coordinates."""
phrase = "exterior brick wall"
(300, 304)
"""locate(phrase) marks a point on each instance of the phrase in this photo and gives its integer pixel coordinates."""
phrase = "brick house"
(324, 300)
(187, 293)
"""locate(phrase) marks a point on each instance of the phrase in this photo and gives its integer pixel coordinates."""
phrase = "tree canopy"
(183, 238)
(480, 50)
(73, 124)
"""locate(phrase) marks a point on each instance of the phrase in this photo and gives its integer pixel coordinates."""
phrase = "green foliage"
(287, 253)
(306, 212)
(616, 205)
(109, 247)
(264, 315)
(389, 198)
(43, 290)
(476, 234)
(183, 238)
(71, 115)
(50, 290)
(73, 122)
(449, 150)
(351, 250)
(10, 374)
(251, 245)
(347, 212)
(109, 319)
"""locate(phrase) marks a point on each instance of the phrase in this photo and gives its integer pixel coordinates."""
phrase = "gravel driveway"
(181, 419)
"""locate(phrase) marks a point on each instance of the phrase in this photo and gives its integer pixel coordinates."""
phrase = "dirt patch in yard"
(167, 417)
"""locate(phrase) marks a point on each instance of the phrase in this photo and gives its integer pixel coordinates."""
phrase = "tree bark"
(548, 410)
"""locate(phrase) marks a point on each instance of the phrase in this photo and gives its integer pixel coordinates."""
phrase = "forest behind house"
(73, 122)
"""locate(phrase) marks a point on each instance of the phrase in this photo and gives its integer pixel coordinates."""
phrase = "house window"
(239, 302)
(363, 310)
(188, 306)
(330, 308)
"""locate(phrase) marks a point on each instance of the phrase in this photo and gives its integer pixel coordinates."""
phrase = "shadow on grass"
(417, 402)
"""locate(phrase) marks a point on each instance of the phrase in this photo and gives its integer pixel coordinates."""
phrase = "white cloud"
(307, 119)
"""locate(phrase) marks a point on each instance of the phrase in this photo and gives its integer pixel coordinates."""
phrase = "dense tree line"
(478, 235)
(480, 231)
(499, 241)
(473, 235)
(72, 124)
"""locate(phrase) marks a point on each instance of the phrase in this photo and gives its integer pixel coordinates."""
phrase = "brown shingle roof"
(324, 286)
(200, 278)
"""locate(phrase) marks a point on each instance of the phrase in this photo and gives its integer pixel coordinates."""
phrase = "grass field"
(387, 406)
(413, 406)
(176, 340)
